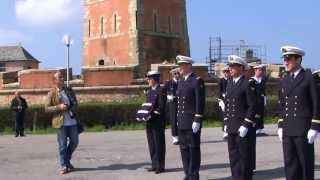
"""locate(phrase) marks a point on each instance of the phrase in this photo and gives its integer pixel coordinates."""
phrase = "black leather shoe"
(158, 171)
(151, 169)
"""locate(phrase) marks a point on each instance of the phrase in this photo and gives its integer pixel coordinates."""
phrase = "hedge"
(108, 114)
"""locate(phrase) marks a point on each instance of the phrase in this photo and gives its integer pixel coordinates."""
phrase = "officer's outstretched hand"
(280, 134)
(195, 127)
(243, 131)
(312, 135)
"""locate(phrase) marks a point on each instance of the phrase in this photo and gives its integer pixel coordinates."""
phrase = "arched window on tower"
(155, 22)
(115, 18)
(170, 24)
(101, 26)
(89, 28)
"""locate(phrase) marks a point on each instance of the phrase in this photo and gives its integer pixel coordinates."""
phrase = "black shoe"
(16, 135)
(70, 167)
(158, 171)
(22, 135)
(151, 169)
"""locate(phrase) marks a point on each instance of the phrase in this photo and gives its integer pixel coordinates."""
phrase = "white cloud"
(12, 37)
(45, 12)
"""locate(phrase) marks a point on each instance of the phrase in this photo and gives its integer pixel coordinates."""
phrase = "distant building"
(16, 58)
(134, 33)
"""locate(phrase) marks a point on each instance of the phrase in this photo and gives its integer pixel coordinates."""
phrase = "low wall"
(103, 93)
(108, 75)
(35, 78)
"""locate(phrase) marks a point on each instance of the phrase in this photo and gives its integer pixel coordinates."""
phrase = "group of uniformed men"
(242, 103)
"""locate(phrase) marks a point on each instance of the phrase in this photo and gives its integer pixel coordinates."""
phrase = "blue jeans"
(68, 140)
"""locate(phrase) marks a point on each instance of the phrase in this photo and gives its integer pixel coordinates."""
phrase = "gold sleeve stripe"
(248, 120)
(316, 121)
(198, 115)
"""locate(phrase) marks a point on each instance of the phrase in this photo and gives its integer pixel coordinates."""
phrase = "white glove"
(222, 105)
(195, 127)
(243, 131)
(280, 134)
(312, 135)
(170, 97)
(225, 128)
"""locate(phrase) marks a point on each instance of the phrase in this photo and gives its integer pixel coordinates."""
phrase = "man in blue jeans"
(61, 104)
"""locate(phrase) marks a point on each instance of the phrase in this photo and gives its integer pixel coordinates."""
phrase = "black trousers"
(298, 158)
(253, 149)
(173, 118)
(260, 123)
(240, 155)
(190, 153)
(19, 124)
(221, 117)
(157, 146)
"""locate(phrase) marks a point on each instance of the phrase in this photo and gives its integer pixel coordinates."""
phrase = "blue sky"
(40, 24)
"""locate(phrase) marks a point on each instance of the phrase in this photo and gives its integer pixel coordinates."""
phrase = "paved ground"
(124, 155)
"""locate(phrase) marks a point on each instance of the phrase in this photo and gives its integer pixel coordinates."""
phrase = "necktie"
(292, 77)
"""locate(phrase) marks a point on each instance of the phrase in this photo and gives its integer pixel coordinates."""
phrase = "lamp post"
(67, 40)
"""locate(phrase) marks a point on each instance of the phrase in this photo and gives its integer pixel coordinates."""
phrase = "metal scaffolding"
(219, 50)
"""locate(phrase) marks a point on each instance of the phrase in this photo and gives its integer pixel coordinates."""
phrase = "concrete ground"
(124, 155)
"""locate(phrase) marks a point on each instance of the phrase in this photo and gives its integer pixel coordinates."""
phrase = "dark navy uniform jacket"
(240, 104)
(222, 87)
(260, 94)
(191, 101)
(154, 107)
(299, 104)
(171, 87)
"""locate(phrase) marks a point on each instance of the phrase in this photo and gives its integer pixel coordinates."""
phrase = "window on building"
(115, 23)
(2, 67)
(169, 24)
(101, 26)
(155, 22)
(101, 62)
(182, 26)
(89, 28)
(137, 20)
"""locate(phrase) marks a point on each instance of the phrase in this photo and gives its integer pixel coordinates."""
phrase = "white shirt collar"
(154, 87)
(175, 80)
(258, 79)
(236, 79)
(297, 72)
(187, 76)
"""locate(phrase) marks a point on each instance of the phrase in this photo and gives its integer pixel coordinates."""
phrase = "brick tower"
(134, 33)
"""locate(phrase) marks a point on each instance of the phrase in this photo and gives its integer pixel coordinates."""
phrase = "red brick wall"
(136, 42)
(111, 45)
(163, 9)
(20, 65)
(33, 79)
(108, 76)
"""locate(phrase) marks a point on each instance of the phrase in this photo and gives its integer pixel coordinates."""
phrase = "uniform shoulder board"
(199, 78)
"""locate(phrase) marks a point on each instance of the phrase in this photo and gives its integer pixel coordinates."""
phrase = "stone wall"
(106, 93)
(108, 75)
(37, 79)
